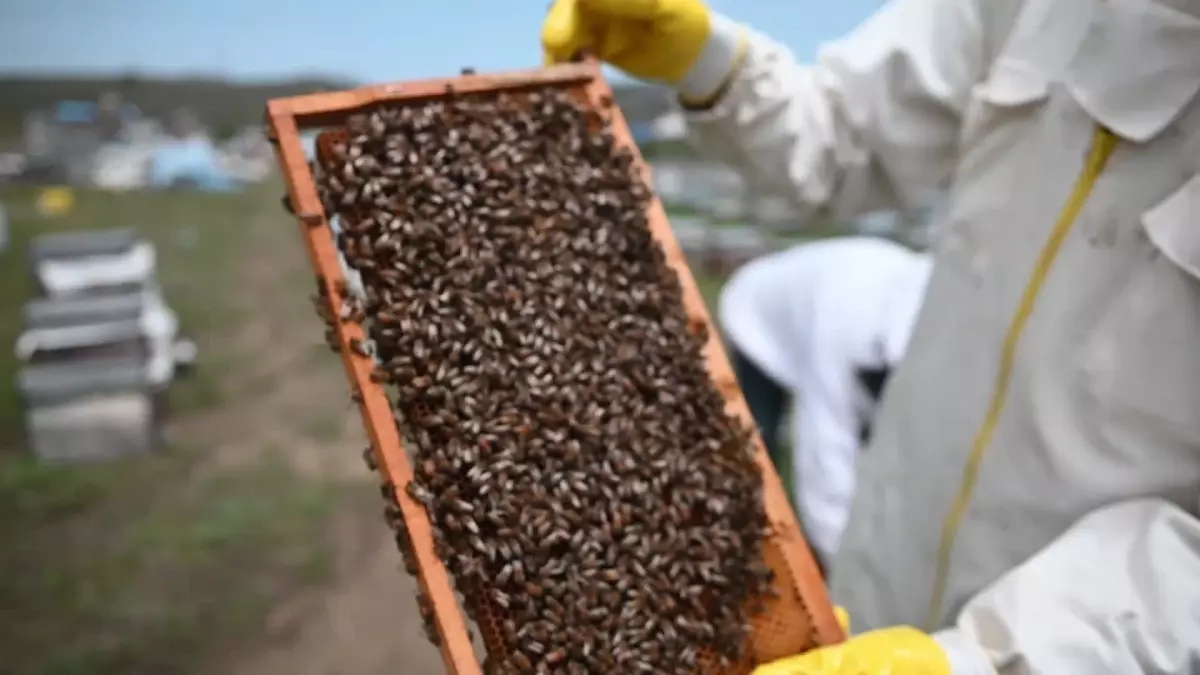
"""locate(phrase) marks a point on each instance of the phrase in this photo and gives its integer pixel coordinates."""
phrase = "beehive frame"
(801, 618)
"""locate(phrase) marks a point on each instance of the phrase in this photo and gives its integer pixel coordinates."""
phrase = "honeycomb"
(800, 617)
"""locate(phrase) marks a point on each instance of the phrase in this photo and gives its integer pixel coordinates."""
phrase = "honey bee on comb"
(596, 505)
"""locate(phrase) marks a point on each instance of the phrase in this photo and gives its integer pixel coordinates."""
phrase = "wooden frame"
(803, 598)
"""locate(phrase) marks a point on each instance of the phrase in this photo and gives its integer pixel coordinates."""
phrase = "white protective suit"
(809, 317)
(1030, 491)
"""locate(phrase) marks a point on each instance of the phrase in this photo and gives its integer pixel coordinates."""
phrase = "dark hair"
(872, 379)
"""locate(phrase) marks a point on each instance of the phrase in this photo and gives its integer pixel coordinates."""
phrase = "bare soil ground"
(361, 623)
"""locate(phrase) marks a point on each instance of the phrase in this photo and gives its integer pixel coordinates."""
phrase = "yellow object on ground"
(889, 651)
(56, 201)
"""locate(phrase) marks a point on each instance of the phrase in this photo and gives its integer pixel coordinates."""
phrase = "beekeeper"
(1028, 501)
(818, 328)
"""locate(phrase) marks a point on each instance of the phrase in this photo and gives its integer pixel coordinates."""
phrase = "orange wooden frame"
(286, 117)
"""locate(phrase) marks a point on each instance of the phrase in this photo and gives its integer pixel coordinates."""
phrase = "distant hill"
(222, 105)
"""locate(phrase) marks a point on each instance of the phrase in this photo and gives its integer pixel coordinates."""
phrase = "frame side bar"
(456, 647)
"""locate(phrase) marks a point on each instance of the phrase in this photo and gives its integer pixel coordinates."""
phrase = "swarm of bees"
(596, 505)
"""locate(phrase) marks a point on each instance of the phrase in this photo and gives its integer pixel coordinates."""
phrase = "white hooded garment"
(810, 317)
(1030, 492)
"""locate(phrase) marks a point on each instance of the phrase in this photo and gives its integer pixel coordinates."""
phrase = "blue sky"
(370, 40)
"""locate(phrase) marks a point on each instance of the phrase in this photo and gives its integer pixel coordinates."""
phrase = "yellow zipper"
(1103, 144)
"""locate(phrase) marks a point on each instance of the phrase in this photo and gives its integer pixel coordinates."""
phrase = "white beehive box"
(79, 411)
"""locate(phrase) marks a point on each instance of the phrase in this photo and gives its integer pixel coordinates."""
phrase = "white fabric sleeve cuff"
(715, 61)
(965, 655)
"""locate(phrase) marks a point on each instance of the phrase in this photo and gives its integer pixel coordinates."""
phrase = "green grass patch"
(710, 287)
(131, 567)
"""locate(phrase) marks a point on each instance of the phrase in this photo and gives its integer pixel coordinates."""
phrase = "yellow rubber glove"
(651, 39)
(890, 651)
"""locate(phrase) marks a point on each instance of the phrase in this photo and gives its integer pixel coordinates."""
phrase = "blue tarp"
(83, 112)
(75, 112)
(191, 162)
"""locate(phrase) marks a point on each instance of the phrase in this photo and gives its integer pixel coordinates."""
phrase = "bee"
(589, 494)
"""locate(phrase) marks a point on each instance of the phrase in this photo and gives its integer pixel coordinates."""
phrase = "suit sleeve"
(1117, 593)
(872, 124)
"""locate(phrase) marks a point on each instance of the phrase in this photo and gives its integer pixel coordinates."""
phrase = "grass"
(710, 287)
(115, 577)
(151, 565)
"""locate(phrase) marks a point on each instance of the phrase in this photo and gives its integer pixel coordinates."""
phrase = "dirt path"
(362, 625)
(365, 622)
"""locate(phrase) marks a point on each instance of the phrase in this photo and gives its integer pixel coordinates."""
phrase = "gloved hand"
(675, 42)
(890, 651)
